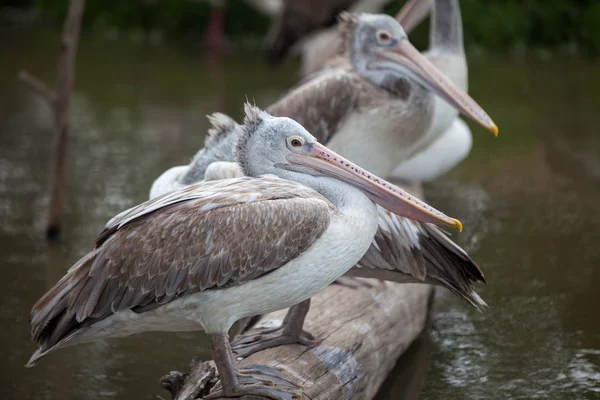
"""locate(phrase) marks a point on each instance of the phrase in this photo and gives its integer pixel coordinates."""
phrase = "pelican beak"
(320, 158)
(413, 12)
(424, 72)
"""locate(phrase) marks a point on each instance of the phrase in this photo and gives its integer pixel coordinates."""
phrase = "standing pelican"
(185, 261)
(446, 51)
(401, 252)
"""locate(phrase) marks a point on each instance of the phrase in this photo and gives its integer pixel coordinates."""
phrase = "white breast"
(449, 138)
(439, 158)
(347, 238)
(378, 139)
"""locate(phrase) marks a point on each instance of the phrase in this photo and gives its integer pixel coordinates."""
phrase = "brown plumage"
(324, 103)
(148, 256)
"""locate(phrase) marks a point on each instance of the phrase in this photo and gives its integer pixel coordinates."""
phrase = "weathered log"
(59, 102)
(202, 377)
(364, 331)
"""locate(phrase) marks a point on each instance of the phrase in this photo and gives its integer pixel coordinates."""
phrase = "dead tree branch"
(37, 87)
(59, 102)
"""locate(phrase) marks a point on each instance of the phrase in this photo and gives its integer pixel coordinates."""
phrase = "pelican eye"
(384, 37)
(296, 141)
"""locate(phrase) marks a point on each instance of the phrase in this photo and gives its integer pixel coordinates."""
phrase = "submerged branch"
(37, 86)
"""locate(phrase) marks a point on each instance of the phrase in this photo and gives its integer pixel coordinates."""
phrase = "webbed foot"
(266, 338)
(259, 381)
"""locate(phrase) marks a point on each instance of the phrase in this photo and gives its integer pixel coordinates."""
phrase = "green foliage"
(139, 19)
(489, 24)
(509, 24)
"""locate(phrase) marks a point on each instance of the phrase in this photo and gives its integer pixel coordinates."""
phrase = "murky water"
(529, 200)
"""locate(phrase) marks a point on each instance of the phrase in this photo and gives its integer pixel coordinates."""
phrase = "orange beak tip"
(458, 225)
(494, 129)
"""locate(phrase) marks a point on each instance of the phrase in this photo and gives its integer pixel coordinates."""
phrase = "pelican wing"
(323, 103)
(407, 251)
(207, 236)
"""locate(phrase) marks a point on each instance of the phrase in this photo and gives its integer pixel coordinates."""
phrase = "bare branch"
(37, 86)
(64, 87)
(195, 385)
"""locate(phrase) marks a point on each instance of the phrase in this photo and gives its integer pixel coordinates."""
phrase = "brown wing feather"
(419, 252)
(198, 240)
(322, 104)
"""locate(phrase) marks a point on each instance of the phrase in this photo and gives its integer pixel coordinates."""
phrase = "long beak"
(387, 195)
(413, 12)
(425, 72)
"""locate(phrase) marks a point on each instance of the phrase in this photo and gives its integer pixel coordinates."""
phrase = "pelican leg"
(255, 380)
(290, 332)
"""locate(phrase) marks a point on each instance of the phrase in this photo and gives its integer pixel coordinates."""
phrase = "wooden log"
(364, 331)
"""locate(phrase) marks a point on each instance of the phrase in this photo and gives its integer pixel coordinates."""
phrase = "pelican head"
(282, 147)
(380, 51)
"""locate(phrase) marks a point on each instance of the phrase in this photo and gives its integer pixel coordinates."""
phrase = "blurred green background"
(547, 26)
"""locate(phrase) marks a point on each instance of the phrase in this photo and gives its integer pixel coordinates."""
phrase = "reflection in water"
(539, 253)
(528, 200)
(408, 376)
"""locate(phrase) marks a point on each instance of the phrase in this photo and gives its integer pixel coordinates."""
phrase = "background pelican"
(446, 52)
(376, 104)
(381, 95)
(309, 24)
(185, 261)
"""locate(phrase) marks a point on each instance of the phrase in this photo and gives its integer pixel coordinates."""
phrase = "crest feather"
(221, 125)
(347, 22)
(254, 115)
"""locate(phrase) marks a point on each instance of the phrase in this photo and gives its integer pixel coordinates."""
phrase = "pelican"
(401, 252)
(383, 86)
(446, 52)
(185, 261)
(310, 23)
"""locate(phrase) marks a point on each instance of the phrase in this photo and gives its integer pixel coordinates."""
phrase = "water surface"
(528, 199)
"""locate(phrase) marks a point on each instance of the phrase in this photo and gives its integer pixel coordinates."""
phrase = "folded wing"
(181, 243)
